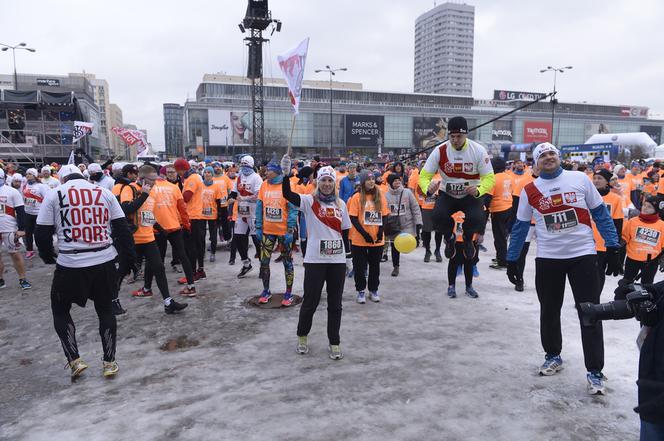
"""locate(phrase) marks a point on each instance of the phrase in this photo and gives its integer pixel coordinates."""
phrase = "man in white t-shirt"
(12, 221)
(47, 178)
(562, 203)
(89, 225)
(98, 177)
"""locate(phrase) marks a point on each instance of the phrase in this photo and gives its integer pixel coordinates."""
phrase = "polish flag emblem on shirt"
(570, 198)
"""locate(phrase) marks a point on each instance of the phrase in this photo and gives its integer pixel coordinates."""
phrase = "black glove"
(367, 237)
(513, 273)
(613, 261)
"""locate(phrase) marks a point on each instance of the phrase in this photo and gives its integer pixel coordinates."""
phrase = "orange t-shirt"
(340, 176)
(275, 209)
(615, 205)
(209, 196)
(520, 181)
(144, 218)
(458, 217)
(304, 188)
(370, 218)
(425, 202)
(222, 182)
(502, 193)
(166, 197)
(414, 179)
(194, 184)
(643, 239)
(650, 188)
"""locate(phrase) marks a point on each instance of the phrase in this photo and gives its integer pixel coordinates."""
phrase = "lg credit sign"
(536, 131)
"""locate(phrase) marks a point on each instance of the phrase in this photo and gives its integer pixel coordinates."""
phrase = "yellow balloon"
(405, 243)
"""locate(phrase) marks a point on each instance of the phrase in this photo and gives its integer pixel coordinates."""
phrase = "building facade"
(115, 120)
(444, 42)
(218, 122)
(174, 129)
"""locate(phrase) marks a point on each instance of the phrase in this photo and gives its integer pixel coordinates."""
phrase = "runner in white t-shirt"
(562, 203)
(327, 256)
(90, 225)
(12, 220)
(34, 193)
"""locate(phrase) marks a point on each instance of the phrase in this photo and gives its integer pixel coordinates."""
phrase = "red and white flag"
(81, 129)
(292, 66)
(132, 137)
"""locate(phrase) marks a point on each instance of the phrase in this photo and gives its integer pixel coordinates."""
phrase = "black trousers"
(550, 277)
(231, 226)
(499, 223)
(225, 231)
(154, 265)
(77, 285)
(446, 206)
(521, 263)
(426, 240)
(646, 269)
(363, 257)
(176, 239)
(30, 222)
(212, 230)
(333, 275)
(195, 243)
(601, 267)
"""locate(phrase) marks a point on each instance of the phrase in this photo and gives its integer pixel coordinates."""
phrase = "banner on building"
(655, 132)
(512, 95)
(502, 131)
(429, 130)
(536, 131)
(292, 66)
(595, 128)
(219, 127)
(81, 129)
(364, 130)
(132, 137)
(635, 112)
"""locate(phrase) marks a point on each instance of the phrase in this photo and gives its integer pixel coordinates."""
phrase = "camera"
(639, 303)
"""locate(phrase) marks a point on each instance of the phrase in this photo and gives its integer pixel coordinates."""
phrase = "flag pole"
(290, 138)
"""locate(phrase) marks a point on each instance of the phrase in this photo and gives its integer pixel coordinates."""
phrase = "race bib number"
(272, 214)
(207, 211)
(30, 202)
(394, 209)
(561, 221)
(331, 248)
(647, 236)
(243, 209)
(147, 218)
(3, 208)
(459, 228)
(373, 218)
(456, 188)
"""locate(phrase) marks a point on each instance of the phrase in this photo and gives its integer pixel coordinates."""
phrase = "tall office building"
(174, 129)
(114, 119)
(444, 50)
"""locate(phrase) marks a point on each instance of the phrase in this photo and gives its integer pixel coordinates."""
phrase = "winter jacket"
(410, 214)
(347, 187)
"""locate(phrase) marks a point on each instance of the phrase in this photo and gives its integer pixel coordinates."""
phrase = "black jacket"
(651, 368)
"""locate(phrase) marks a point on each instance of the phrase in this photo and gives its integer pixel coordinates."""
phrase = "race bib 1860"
(272, 214)
(456, 188)
(647, 236)
(561, 221)
(331, 248)
(373, 218)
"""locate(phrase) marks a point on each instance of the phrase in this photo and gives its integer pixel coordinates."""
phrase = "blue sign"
(589, 148)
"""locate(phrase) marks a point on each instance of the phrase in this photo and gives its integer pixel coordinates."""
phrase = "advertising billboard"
(502, 131)
(595, 128)
(512, 95)
(229, 127)
(635, 112)
(219, 124)
(429, 130)
(655, 132)
(364, 130)
(536, 131)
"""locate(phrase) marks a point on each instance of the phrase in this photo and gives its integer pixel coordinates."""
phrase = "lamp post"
(331, 71)
(6, 47)
(554, 101)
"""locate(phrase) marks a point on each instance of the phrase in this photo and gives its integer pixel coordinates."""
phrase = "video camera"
(639, 303)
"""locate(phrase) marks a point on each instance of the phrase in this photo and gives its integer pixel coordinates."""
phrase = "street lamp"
(554, 101)
(331, 71)
(6, 47)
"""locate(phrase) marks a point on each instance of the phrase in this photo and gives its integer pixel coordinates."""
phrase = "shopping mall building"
(219, 124)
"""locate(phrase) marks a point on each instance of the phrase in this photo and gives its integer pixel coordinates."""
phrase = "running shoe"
(476, 272)
(117, 307)
(110, 368)
(395, 271)
(24, 284)
(470, 292)
(29, 254)
(427, 256)
(176, 269)
(451, 292)
(498, 266)
(518, 287)
(174, 307)
(265, 297)
(213, 257)
(2, 283)
(188, 292)
(335, 352)
(243, 272)
(361, 297)
(142, 292)
(469, 249)
(200, 274)
(302, 345)
(288, 299)
(439, 258)
(596, 383)
(450, 248)
(77, 367)
(552, 365)
(373, 295)
(231, 261)
(482, 248)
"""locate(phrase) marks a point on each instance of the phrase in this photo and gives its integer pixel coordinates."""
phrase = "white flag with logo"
(81, 129)
(292, 66)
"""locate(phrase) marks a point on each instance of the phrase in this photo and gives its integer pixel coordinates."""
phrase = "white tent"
(658, 152)
(640, 139)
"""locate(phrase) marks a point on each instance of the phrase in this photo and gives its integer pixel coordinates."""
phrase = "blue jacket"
(347, 187)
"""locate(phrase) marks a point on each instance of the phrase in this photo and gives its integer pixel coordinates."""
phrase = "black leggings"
(426, 240)
(176, 239)
(153, 266)
(646, 269)
(30, 222)
(446, 206)
(195, 243)
(550, 277)
(521, 263)
(363, 256)
(315, 275)
(212, 229)
(452, 272)
(231, 226)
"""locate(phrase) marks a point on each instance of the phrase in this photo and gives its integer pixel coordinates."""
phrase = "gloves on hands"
(513, 273)
(613, 261)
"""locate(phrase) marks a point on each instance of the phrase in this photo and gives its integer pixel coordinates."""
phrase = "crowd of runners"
(113, 222)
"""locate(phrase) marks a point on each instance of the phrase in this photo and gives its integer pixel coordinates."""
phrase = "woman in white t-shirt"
(328, 252)
(33, 195)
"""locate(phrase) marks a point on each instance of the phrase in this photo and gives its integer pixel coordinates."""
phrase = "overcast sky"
(157, 52)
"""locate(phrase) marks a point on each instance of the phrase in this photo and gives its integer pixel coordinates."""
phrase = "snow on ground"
(417, 366)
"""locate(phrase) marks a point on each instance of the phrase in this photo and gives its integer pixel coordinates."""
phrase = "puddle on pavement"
(182, 342)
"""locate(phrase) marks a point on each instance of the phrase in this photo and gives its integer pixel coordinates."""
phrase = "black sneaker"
(117, 307)
(469, 250)
(244, 271)
(231, 261)
(439, 258)
(384, 258)
(174, 307)
(519, 287)
(450, 249)
(427, 256)
(2, 283)
(498, 266)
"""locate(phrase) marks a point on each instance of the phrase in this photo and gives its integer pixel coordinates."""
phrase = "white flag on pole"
(71, 159)
(292, 66)
(81, 129)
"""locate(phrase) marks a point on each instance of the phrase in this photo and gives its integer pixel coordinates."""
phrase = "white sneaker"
(361, 298)
(374, 297)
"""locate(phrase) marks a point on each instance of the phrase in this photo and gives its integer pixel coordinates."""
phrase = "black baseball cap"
(458, 124)
(129, 168)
